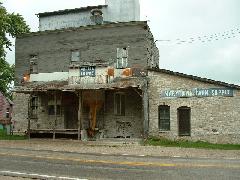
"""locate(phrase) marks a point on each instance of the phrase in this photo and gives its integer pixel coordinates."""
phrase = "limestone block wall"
(213, 119)
(20, 112)
(133, 115)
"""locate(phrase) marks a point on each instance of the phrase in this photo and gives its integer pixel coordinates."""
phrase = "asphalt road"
(68, 165)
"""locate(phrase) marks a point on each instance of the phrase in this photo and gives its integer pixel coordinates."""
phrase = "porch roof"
(120, 83)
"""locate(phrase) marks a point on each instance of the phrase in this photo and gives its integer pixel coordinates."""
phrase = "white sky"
(175, 20)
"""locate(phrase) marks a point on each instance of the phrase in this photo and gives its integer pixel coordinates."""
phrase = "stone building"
(93, 73)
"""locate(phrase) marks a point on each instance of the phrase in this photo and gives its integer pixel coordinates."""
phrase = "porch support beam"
(55, 115)
(145, 102)
(79, 114)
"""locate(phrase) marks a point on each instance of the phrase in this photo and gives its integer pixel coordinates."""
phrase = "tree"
(11, 25)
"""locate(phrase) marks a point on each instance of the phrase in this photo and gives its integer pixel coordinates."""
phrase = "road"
(47, 164)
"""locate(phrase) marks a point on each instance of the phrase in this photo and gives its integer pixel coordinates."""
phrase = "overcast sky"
(198, 37)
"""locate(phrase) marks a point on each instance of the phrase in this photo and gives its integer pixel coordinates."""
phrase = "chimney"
(97, 17)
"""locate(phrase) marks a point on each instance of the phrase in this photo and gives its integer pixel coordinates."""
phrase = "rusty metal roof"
(220, 83)
(138, 82)
(66, 11)
(40, 86)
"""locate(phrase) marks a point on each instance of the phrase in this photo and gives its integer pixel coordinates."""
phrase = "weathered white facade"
(113, 11)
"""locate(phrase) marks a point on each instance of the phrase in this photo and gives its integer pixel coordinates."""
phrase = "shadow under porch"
(89, 114)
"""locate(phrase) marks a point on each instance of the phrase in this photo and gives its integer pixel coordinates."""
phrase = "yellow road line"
(129, 163)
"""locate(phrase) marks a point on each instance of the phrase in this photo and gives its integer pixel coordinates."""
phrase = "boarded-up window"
(33, 107)
(75, 56)
(164, 117)
(119, 104)
(122, 58)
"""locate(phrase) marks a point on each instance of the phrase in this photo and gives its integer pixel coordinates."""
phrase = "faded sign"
(196, 92)
(88, 71)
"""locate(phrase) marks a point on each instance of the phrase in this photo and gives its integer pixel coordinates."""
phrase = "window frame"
(75, 56)
(164, 120)
(120, 106)
(122, 58)
(33, 107)
(52, 112)
(8, 113)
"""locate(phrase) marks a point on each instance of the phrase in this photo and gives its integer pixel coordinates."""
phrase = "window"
(8, 113)
(51, 110)
(75, 56)
(122, 58)
(33, 64)
(51, 104)
(164, 117)
(119, 104)
(33, 107)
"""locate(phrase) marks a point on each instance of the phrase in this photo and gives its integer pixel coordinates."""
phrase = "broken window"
(119, 104)
(33, 107)
(75, 56)
(164, 117)
(122, 58)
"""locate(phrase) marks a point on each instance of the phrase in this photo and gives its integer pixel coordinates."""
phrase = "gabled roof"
(220, 83)
(7, 99)
(66, 11)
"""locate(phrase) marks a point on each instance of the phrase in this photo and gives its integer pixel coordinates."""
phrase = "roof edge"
(65, 11)
(88, 27)
(197, 78)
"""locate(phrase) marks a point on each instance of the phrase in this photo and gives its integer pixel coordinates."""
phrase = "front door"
(184, 116)
(70, 101)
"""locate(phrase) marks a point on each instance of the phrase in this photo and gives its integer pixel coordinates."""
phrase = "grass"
(5, 136)
(189, 144)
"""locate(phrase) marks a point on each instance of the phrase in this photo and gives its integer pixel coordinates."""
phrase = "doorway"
(184, 117)
(70, 103)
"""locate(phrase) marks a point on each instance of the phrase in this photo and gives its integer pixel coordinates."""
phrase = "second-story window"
(75, 57)
(33, 64)
(122, 58)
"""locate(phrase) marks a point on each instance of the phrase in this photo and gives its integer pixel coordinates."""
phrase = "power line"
(230, 34)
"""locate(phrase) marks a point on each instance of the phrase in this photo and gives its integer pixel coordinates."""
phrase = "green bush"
(153, 141)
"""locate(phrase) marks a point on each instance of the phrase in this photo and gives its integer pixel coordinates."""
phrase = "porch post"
(55, 114)
(28, 118)
(145, 109)
(79, 113)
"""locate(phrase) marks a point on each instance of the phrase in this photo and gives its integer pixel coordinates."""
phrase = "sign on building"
(88, 71)
(197, 92)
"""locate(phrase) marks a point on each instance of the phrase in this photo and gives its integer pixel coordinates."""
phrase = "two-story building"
(93, 72)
